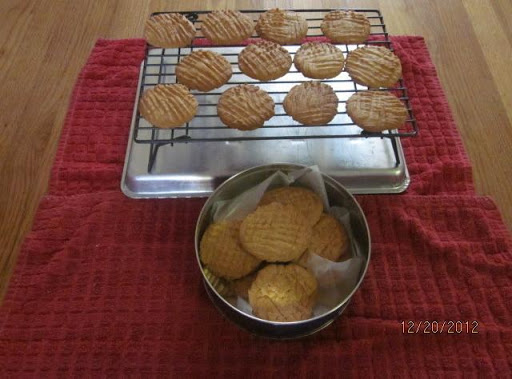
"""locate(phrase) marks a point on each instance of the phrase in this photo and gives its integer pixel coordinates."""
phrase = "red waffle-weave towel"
(108, 286)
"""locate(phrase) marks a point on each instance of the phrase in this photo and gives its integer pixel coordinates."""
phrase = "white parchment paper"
(335, 279)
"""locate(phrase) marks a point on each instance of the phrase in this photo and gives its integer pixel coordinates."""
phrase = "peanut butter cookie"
(227, 27)
(375, 111)
(282, 26)
(221, 251)
(275, 232)
(203, 70)
(264, 60)
(245, 107)
(373, 66)
(169, 30)
(283, 293)
(329, 239)
(308, 203)
(311, 103)
(346, 27)
(168, 105)
(319, 60)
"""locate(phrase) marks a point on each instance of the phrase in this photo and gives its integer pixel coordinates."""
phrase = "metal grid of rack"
(159, 67)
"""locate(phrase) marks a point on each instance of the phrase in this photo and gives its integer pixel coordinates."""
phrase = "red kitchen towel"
(108, 286)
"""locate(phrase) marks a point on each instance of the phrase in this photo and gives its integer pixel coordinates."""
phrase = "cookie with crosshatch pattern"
(319, 60)
(264, 60)
(311, 103)
(346, 27)
(275, 232)
(245, 107)
(169, 30)
(376, 111)
(222, 253)
(282, 26)
(168, 105)
(283, 293)
(203, 70)
(227, 27)
(330, 239)
(308, 203)
(373, 66)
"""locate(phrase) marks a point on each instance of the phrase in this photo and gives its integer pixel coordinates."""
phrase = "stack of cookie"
(264, 257)
(248, 107)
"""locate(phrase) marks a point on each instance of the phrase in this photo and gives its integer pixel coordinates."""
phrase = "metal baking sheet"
(363, 166)
(195, 169)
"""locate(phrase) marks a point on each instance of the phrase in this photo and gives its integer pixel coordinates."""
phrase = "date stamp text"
(439, 327)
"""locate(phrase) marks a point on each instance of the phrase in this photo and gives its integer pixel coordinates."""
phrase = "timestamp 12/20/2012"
(439, 327)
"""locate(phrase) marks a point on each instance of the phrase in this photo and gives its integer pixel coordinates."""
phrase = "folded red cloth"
(109, 286)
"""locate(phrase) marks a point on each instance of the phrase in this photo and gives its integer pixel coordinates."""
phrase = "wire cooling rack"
(160, 64)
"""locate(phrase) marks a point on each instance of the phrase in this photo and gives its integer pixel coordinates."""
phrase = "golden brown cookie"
(373, 66)
(282, 26)
(346, 27)
(227, 27)
(168, 105)
(223, 287)
(203, 70)
(169, 30)
(319, 60)
(245, 107)
(221, 251)
(275, 233)
(241, 286)
(330, 239)
(264, 60)
(375, 111)
(311, 103)
(306, 201)
(283, 293)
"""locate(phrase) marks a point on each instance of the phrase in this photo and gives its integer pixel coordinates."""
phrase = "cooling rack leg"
(153, 151)
(395, 150)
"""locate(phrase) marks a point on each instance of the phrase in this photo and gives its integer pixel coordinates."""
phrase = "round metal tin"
(338, 196)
